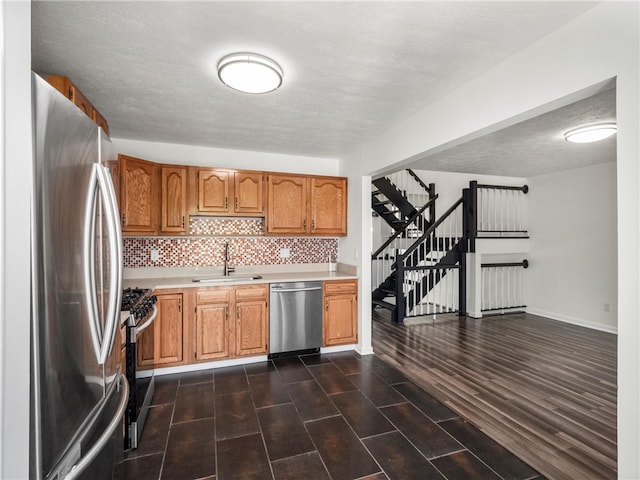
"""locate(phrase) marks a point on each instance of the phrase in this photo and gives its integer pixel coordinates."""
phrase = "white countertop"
(164, 278)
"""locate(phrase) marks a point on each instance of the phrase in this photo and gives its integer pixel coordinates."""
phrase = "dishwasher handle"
(308, 289)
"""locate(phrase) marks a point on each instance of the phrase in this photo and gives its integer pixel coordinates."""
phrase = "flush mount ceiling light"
(591, 133)
(250, 73)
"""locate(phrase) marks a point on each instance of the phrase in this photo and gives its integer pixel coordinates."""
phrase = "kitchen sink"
(224, 279)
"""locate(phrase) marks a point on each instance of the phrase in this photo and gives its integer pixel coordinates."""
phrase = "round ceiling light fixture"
(591, 133)
(250, 73)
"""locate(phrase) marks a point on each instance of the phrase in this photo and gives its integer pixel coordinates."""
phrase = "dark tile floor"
(338, 416)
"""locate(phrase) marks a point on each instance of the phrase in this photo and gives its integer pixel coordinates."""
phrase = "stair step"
(383, 304)
(380, 203)
(391, 293)
(375, 192)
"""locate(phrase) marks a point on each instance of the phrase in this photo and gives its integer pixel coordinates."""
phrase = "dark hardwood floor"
(543, 389)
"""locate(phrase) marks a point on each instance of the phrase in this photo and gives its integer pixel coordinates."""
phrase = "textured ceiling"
(533, 147)
(352, 69)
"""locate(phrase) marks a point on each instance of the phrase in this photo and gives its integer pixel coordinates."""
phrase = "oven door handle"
(139, 329)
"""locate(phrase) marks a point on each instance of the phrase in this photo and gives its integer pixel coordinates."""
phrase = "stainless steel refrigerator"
(78, 392)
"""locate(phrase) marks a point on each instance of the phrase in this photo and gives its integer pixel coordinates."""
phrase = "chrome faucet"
(227, 268)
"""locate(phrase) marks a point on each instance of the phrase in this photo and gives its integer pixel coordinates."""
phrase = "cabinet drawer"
(213, 295)
(253, 292)
(334, 288)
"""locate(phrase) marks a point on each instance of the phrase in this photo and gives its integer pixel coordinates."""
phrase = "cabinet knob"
(183, 222)
(304, 224)
(226, 202)
(236, 206)
(313, 225)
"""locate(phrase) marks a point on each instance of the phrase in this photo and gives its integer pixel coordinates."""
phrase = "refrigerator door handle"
(115, 422)
(108, 196)
(89, 264)
(100, 183)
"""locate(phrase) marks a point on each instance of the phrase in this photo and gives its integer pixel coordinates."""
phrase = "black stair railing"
(419, 273)
(390, 200)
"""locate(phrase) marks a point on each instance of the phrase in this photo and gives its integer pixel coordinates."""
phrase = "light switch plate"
(155, 255)
(285, 252)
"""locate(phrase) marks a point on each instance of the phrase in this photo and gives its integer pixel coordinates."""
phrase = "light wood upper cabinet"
(173, 181)
(138, 196)
(65, 86)
(328, 206)
(306, 205)
(213, 191)
(252, 320)
(248, 189)
(340, 318)
(228, 192)
(287, 204)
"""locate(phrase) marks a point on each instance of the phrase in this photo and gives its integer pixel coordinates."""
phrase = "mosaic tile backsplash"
(248, 246)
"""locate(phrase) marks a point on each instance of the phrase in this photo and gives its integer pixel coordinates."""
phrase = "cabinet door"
(248, 192)
(173, 199)
(114, 171)
(287, 211)
(340, 320)
(145, 351)
(251, 328)
(167, 328)
(100, 121)
(212, 335)
(328, 206)
(80, 101)
(213, 191)
(138, 190)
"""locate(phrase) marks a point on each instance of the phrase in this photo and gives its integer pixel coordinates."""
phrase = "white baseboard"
(572, 320)
(201, 366)
(362, 351)
(339, 348)
(233, 362)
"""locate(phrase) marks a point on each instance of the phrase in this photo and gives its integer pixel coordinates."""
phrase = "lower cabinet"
(252, 320)
(340, 317)
(162, 343)
(212, 323)
(231, 322)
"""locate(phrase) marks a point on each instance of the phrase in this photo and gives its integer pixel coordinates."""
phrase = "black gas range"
(139, 303)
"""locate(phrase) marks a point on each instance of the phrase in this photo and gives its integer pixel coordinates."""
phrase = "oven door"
(142, 383)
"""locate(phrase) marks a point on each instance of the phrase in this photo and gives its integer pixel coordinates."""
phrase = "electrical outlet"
(285, 252)
(155, 255)
(607, 307)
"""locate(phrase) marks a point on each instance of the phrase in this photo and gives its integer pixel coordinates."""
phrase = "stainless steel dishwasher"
(295, 317)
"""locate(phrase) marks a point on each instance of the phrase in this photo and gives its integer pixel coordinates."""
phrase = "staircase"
(420, 269)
